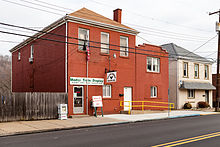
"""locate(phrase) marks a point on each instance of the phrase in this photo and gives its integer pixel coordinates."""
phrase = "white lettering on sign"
(111, 77)
(86, 81)
(97, 101)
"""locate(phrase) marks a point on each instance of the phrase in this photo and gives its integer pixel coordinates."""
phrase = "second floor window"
(123, 46)
(19, 55)
(32, 51)
(206, 71)
(196, 71)
(83, 37)
(104, 43)
(185, 69)
(153, 64)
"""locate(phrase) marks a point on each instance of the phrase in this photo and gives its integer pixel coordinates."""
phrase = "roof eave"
(36, 36)
(108, 26)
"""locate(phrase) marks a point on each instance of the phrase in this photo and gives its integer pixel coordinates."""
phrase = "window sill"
(81, 51)
(190, 98)
(105, 54)
(106, 97)
(185, 77)
(154, 72)
(125, 57)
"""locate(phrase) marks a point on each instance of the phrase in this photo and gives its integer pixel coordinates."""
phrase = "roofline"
(39, 34)
(74, 19)
(100, 24)
(195, 59)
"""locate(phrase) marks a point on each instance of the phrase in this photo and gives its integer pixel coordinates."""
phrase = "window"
(153, 92)
(19, 55)
(123, 46)
(32, 51)
(196, 71)
(206, 72)
(84, 36)
(153, 64)
(107, 91)
(185, 69)
(191, 93)
(105, 39)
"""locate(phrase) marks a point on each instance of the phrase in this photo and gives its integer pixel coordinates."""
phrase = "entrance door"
(207, 96)
(78, 99)
(127, 97)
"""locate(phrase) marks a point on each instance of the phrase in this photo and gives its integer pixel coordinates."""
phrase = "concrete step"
(78, 116)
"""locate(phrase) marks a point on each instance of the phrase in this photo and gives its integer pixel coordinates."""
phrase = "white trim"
(154, 96)
(102, 25)
(104, 33)
(66, 58)
(105, 91)
(124, 52)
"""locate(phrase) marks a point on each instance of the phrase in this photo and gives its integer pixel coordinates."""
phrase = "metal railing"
(142, 105)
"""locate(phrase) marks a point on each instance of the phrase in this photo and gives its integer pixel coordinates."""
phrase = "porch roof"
(197, 85)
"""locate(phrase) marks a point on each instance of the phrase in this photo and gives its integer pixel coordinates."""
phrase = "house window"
(196, 71)
(123, 46)
(105, 41)
(107, 90)
(83, 38)
(206, 72)
(153, 64)
(191, 93)
(19, 55)
(32, 51)
(153, 92)
(185, 69)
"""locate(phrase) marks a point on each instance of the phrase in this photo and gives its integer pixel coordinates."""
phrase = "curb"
(99, 125)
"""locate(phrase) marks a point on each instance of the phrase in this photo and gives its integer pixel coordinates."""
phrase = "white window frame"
(104, 88)
(196, 71)
(206, 70)
(191, 93)
(153, 91)
(185, 63)
(124, 50)
(19, 55)
(32, 51)
(157, 66)
(80, 47)
(105, 47)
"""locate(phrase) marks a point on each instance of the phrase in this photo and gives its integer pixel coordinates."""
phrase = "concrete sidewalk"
(23, 127)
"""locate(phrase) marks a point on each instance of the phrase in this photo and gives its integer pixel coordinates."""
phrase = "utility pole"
(218, 58)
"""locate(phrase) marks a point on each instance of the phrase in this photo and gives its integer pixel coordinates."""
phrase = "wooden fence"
(30, 106)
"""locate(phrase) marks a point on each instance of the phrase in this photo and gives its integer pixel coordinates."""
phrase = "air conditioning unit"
(31, 60)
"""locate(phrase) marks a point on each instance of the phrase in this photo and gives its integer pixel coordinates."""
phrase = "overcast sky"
(183, 22)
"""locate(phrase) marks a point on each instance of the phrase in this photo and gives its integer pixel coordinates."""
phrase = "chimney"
(117, 15)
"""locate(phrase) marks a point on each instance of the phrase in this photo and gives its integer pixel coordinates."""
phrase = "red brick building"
(51, 62)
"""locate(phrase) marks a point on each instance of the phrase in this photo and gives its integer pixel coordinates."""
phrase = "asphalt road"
(148, 133)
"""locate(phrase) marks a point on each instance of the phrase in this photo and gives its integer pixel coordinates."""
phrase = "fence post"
(129, 110)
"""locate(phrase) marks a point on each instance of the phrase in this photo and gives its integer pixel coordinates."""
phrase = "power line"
(151, 18)
(78, 38)
(97, 16)
(202, 45)
(32, 7)
(43, 6)
(134, 52)
(8, 41)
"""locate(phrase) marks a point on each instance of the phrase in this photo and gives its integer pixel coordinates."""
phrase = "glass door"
(78, 99)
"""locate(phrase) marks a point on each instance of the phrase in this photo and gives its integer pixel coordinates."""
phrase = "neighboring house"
(51, 62)
(190, 77)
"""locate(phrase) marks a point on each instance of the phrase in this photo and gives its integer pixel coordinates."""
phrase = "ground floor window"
(153, 91)
(107, 90)
(191, 93)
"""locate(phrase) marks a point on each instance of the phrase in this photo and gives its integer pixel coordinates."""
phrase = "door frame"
(127, 103)
(79, 110)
